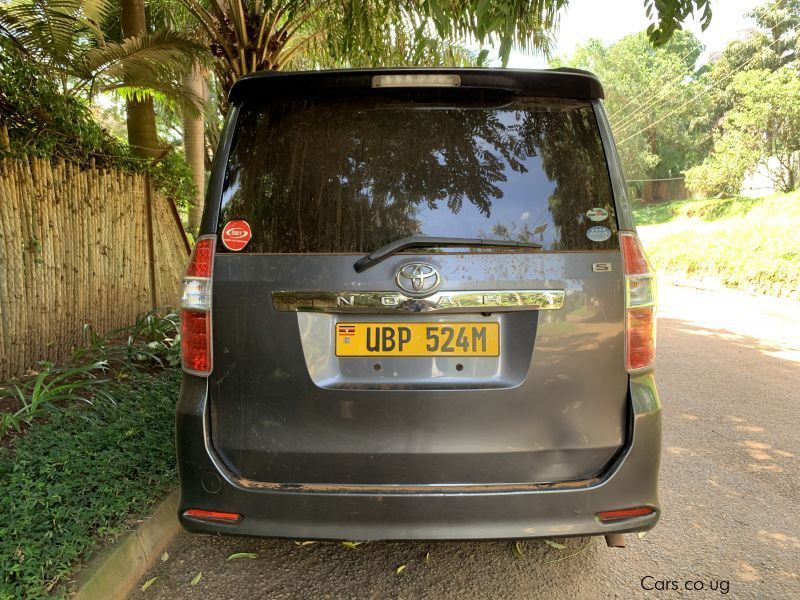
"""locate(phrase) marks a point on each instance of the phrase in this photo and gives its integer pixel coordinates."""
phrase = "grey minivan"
(418, 309)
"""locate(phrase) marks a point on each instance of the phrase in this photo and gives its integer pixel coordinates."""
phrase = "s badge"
(601, 267)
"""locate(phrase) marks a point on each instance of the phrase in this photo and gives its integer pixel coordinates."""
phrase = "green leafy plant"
(44, 122)
(80, 478)
(155, 340)
(762, 130)
(77, 43)
(93, 347)
(50, 390)
(172, 176)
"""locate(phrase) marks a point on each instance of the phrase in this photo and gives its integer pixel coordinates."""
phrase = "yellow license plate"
(417, 339)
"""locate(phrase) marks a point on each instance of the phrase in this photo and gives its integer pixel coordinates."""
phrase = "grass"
(745, 243)
(78, 478)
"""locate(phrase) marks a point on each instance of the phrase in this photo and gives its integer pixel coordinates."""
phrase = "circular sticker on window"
(598, 233)
(236, 234)
(597, 214)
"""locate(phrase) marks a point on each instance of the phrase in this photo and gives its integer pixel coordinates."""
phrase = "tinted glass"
(353, 174)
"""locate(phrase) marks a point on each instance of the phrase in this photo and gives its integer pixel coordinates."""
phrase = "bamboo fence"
(74, 250)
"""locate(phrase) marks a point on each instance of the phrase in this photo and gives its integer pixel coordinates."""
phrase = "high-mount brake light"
(640, 304)
(196, 308)
(416, 80)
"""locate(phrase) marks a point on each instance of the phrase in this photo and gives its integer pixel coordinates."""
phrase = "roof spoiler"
(549, 83)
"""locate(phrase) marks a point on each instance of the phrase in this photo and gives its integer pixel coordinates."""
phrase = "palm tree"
(257, 35)
(70, 39)
(194, 145)
(140, 114)
(173, 15)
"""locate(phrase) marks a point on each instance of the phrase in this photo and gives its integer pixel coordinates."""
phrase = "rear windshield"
(322, 175)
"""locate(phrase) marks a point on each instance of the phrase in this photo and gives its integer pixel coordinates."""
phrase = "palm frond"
(153, 56)
(176, 96)
(9, 33)
(96, 11)
(56, 32)
(425, 32)
(525, 24)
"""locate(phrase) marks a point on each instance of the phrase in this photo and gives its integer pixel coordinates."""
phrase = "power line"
(632, 100)
(628, 120)
(695, 97)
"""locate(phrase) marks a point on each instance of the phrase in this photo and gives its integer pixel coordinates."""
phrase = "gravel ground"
(728, 373)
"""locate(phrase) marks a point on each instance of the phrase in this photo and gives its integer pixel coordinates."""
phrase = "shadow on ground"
(328, 569)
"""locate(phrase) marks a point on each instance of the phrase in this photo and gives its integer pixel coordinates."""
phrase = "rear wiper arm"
(423, 241)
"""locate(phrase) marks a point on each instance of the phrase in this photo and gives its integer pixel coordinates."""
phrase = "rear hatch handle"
(424, 241)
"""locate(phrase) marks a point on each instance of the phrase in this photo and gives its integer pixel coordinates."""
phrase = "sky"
(610, 20)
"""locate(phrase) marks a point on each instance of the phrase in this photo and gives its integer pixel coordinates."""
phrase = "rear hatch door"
(508, 370)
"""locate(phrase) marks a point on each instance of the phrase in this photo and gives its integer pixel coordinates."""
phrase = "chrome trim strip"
(440, 302)
(433, 488)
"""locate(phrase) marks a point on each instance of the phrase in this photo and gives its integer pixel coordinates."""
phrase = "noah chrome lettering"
(453, 301)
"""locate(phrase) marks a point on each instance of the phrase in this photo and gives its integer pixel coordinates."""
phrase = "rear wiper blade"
(423, 241)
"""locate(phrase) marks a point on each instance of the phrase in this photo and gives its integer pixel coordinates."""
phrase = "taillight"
(196, 308)
(640, 304)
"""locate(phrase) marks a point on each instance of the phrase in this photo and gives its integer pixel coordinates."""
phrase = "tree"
(762, 130)
(194, 145)
(73, 40)
(140, 113)
(772, 45)
(171, 14)
(246, 36)
(752, 96)
(650, 97)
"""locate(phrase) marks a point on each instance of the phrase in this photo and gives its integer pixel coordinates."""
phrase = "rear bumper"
(393, 513)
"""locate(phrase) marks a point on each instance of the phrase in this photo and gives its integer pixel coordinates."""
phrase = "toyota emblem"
(418, 279)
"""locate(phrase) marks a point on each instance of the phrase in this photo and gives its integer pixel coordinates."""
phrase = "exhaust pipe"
(615, 540)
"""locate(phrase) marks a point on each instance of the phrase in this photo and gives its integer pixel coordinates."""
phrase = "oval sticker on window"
(236, 234)
(598, 233)
(597, 214)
